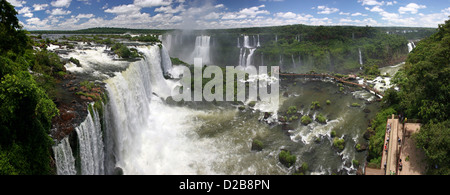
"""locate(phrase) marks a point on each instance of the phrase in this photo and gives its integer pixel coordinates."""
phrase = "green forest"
(26, 109)
(424, 95)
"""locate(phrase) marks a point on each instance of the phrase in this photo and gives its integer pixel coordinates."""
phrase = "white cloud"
(371, 2)
(288, 15)
(26, 12)
(326, 10)
(86, 2)
(17, 3)
(170, 10)
(391, 2)
(84, 16)
(58, 12)
(412, 8)
(375, 9)
(61, 3)
(40, 7)
(152, 3)
(124, 9)
(253, 11)
(36, 23)
(359, 14)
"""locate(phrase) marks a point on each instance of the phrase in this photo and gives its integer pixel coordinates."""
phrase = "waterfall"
(360, 58)
(250, 57)
(149, 136)
(258, 44)
(166, 62)
(238, 43)
(247, 52)
(65, 162)
(293, 61)
(91, 145)
(91, 149)
(167, 41)
(247, 42)
(202, 49)
(411, 46)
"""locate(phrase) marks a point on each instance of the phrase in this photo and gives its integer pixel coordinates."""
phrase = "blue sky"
(198, 14)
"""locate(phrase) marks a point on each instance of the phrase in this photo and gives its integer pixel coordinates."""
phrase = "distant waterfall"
(411, 46)
(202, 49)
(246, 54)
(166, 62)
(293, 61)
(65, 162)
(360, 58)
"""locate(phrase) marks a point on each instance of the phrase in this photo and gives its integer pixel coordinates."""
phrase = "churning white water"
(65, 162)
(91, 145)
(202, 49)
(247, 51)
(91, 149)
(150, 136)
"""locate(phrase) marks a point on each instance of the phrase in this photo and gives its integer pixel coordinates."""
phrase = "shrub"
(315, 105)
(286, 158)
(75, 61)
(328, 102)
(333, 134)
(257, 145)
(355, 162)
(355, 105)
(292, 110)
(305, 120)
(321, 119)
(339, 143)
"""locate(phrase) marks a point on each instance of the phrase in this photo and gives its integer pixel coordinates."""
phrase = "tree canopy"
(26, 110)
(425, 94)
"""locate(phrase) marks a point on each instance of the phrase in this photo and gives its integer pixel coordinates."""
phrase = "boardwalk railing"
(364, 86)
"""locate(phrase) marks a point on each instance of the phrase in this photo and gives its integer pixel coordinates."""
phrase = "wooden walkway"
(368, 88)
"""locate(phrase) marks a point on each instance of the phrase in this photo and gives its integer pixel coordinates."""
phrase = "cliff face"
(72, 101)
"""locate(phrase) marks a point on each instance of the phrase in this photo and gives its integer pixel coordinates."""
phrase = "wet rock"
(267, 115)
(257, 145)
(118, 171)
(68, 115)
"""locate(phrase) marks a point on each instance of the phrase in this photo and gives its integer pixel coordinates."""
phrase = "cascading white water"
(91, 145)
(65, 162)
(411, 46)
(202, 49)
(247, 42)
(293, 61)
(166, 63)
(91, 149)
(250, 57)
(238, 43)
(167, 41)
(246, 57)
(151, 137)
(360, 58)
(259, 43)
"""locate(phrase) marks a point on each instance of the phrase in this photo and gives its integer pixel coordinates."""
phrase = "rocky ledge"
(73, 99)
